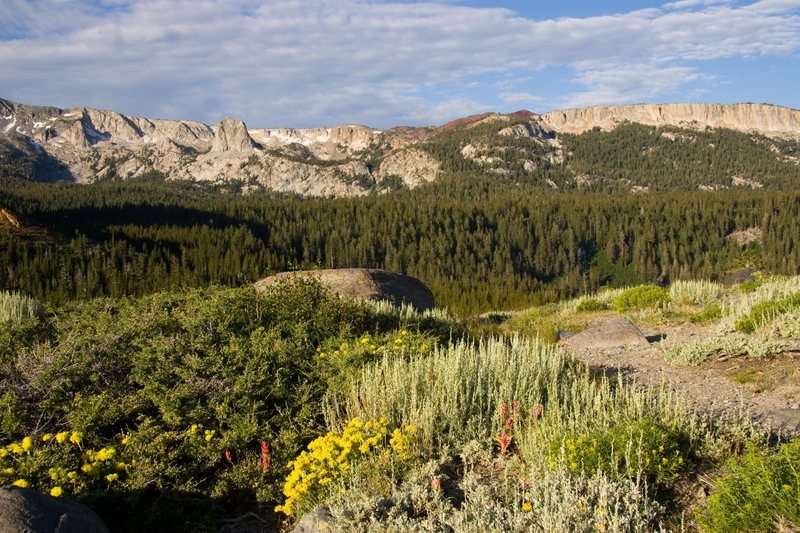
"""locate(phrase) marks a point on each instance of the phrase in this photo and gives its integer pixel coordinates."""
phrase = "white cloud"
(629, 83)
(522, 98)
(322, 62)
(686, 4)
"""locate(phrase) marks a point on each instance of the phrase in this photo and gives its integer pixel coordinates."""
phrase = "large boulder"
(364, 283)
(607, 332)
(28, 511)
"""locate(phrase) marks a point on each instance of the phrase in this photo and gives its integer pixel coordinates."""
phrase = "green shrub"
(195, 380)
(628, 448)
(709, 313)
(641, 297)
(757, 492)
(766, 311)
(590, 304)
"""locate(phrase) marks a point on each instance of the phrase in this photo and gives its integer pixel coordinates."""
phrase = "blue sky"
(305, 63)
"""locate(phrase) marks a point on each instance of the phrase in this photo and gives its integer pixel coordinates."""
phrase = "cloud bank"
(325, 62)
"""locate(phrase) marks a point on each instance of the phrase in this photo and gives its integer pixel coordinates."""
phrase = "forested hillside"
(479, 243)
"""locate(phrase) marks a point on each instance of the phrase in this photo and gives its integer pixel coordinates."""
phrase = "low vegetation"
(182, 409)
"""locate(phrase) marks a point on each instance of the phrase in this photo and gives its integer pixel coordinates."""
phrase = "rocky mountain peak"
(231, 135)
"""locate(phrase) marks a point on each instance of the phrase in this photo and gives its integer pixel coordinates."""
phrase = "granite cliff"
(85, 145)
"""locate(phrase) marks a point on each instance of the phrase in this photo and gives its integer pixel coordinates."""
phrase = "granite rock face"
(766, 119)
(231, 136)
(86, 145)
(363, 283)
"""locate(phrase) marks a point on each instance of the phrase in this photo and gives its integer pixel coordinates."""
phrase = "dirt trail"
(768, 391)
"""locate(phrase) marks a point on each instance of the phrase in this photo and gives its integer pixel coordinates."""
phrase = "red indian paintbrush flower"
(503, 442)
(264, 455)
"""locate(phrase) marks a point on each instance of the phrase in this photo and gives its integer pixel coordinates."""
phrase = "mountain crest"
(231, 135)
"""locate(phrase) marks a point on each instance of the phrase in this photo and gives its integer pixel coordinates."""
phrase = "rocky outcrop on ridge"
(412, 165)
(231, 136)
(769, 120)
(85, 145)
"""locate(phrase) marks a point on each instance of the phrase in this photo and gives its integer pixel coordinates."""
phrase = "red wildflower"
(264, 455)
(503, 441)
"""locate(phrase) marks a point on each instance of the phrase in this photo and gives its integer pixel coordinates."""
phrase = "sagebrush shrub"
(15, 307)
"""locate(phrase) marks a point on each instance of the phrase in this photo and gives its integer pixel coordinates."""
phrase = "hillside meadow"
(188, 409)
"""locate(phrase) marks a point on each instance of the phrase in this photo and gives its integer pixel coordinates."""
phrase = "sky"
(383, 63)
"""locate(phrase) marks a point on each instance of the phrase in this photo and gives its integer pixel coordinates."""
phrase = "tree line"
(477, 243)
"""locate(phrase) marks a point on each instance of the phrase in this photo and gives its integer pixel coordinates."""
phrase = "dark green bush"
(193, 381)
(640, 297)
(757, 492)
(590, 304)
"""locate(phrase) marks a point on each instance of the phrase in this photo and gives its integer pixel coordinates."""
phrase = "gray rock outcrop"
(86, 145)
(231, 135)
(28, 511)
(607, 332)
(413, 165)
(766, 119)
(363, 283)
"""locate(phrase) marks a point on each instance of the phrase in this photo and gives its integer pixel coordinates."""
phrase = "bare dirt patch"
(765, 390)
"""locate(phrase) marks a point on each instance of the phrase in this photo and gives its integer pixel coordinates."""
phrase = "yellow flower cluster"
(23, 464)
(330, 456)
(197, 429)
(375, 345)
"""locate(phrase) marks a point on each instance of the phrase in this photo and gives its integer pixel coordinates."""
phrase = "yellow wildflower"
(527, 507)
(76, 437)
(8, 471)
(112, 477)
(15, 448)
(46, 437)
(62, 437)
(21, 483)
(209, 434)
(105, 454)
(125, 440)
(56, 492)
(27, 444)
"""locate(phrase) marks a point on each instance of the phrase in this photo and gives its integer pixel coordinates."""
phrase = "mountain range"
(707, 146)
